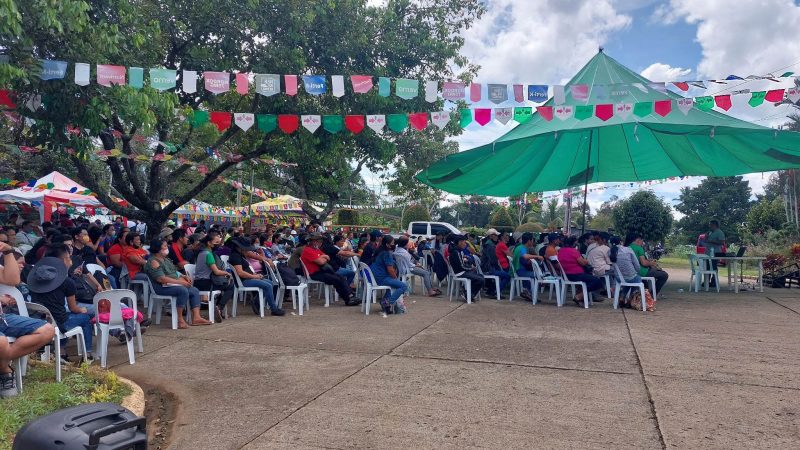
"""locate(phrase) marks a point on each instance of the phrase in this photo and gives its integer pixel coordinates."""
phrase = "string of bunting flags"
(219, 82)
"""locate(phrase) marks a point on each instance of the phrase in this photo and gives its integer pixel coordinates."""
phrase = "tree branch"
(90, 180)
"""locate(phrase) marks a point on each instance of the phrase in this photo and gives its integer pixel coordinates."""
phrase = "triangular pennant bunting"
(604, 112)
(523, 114)
(354, 123)
(723, 101)
(419, 121)
(221, 119)
(268, 84)
(793, 94)
(108, 75)
(465, 117)
(685, 105)
(498, 93)
(242, 83)
(453, 91)
(564, 112)
(267, 122)
(483, 116)
(440, 118)
(431, 91)
(406, 89)
(384, 86)
(705, 103)
(163, 79)
(475, 92)
(311, 122)
(519, 96)
(288, 123)
(583, 112)
(376, 122)
(189, 84)
(643, 109)
(82, 74)
(774, 96)
(136, 77)
(559, 97)
(757, 98)
(291, 87)
(537, 93)
(503, 115)
(580, 92)
(217, 82)
(332, 123)
(244, 120)
(682, 85)
(337, 85)
(53, 70)
(397, 122)
(361, 83)
(662, 107)
(546, 112)
(199, 118)
(315, 84)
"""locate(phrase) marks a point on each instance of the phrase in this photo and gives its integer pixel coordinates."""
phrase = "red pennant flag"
(242, 83)
(774, 96)
(221, 119)
(475, 92)
(483, 115)
(682, 85)
(418, 120)
(662, 107)
(546, 112)
(723, 101)
(5, 99)
(288, 123)
(604, 112)
(519, 96)
(354, 123)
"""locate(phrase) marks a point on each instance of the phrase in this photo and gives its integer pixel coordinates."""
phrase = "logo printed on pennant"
(53, 70)
(268, 84)
(498, 93)
(315, 84)
(376, 122)
(406, 89)
(217, 82)
(311, 122)
(580, 92)
(537, 93)
(440, 118)
(244, 120)
(453, 91)
(564, 112)
(361, 83)
(623, 110)
(793, 94)
(162, 79)
(685, 105)
(523, 114)
(503, 115)
(108, 75)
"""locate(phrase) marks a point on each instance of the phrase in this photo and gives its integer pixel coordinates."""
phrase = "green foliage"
(42, 395)
(643, 213)
(414, 213)
(501, 220)
(552, 215)
(765, 215)
(726, 199)
(530, 227)
(477, 231)
(604, 217)
(347, 217)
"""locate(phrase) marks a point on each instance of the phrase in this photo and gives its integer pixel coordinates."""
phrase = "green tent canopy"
(544, 156)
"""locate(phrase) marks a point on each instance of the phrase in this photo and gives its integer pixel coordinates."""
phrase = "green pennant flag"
(397, 122)
(162, 79)
(523, 114)
(199, 118)
(267, 122)
(787, 74)
(757, 99)
(466, 117)
(333, 124)
(583, 112)
(135, 77)
(643, 109)
(405, 88)
(704, 103)
(384, 87)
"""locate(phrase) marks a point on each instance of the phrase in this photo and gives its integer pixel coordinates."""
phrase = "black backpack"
(288, 275)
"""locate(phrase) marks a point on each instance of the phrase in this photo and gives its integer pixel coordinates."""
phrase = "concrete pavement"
(704, 370)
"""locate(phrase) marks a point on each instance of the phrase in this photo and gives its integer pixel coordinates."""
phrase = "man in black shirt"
(368, 256)
(333, 248)
(238, 261)
(462, 267)
(50, 285)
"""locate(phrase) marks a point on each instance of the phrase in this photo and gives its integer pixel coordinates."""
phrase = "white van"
(430, 229)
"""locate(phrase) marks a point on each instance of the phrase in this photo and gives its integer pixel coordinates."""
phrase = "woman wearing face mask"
(134, 255)
(210, 275)
(385, 271)
(167, 281)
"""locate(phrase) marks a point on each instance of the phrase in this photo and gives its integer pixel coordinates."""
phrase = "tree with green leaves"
(501, 220)
(552, 215)
(153, 139)
(643, 213)
(415, 213)
(765, 215)
(726, 199)
(603, 219)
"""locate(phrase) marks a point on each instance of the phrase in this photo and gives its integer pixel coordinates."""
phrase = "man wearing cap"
(238, 260)
(368, 256)
(462, 267)
(49, 284)
(490, 264)
(316, 262)
(30, 334)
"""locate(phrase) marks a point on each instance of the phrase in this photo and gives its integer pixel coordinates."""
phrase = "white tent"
(61, 190)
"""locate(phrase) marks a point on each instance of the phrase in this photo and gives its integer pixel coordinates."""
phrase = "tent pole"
(586, 182)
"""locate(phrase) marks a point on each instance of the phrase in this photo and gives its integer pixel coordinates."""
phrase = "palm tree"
(552, 213)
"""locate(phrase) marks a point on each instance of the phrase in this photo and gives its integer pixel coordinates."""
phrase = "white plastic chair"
(299, 292)
(76, 332)
(211, 294)
(158, 300)
(496, 278)
(566, 282)
(21, 363)
(702, 273)
(517, 282)
(454, 281)
(115, 322)
(622, 283)
(320, 285)
(240, 291)
(552, 281)
(371, 288)
(132, 283)
(408, 278)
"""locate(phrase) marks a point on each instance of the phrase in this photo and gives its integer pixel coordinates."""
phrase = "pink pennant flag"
(662, 107)
(242, 83)
(453, 91)
(483, 115)
(475, 92)
(217, 82)
(519, 95)
(291, 84)
(580, 92)
(604, 112)
(108, 75)
(418, 120)
(361, 83)
(546, 112)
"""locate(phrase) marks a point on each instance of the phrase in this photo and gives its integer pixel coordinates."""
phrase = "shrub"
(501, 220)
(415, 213)
(529, 227)
(347, 217)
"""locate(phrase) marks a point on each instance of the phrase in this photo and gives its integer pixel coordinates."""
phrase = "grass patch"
(675, 262)
(42, 395)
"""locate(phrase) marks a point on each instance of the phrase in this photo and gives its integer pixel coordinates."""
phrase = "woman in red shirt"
(501, 251)
(133, 254)
(572, 263)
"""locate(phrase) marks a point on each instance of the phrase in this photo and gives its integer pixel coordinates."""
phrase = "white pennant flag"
(503, 115)
(658, 87)
(685, 104)
(440, 118)
(244, 120)
(337, 85)
(623, 110)
(564, 112)
(311, 123)
(376, 122)
(431, 91)
(793, 94)
(559, 97)
(81, 74)
(189, 81)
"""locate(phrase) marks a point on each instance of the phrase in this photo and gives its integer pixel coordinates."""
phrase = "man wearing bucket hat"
(49, 284)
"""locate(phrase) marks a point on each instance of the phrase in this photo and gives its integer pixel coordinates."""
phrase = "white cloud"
(665, 72)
